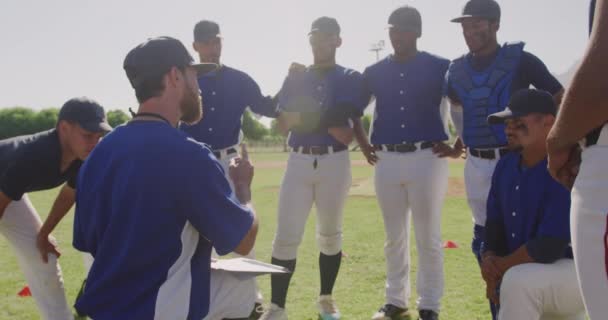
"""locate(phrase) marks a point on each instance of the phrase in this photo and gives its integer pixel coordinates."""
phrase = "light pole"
(377, 47)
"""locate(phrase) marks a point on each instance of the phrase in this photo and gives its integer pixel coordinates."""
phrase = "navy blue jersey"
(527, 204)
(226, 94)
(33, 163)
(408, 99)
(316, 91)
(151, 204)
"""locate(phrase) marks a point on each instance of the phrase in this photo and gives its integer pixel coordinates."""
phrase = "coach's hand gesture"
(46, 244)
(241, 174)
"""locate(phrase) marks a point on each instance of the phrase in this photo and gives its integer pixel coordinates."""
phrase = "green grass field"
(360, 287)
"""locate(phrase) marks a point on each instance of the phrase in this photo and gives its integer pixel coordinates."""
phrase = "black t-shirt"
(531, 71)
(33, 163)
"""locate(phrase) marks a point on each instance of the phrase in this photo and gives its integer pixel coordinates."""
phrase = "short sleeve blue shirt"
(151, 204)
(408, 99)
(528, 203)
(337, 88)
(226, 94)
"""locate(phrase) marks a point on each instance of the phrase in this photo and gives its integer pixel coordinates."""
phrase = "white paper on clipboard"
(246, 266)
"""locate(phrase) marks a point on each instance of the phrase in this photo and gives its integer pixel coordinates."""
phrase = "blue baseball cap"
(485, 9)
(325, 25)
(406, 18)
(156, 56)
(85, 112)
(523, 103)
(206, 30)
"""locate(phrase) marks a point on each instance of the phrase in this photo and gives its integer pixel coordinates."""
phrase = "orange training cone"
(450, 245)
(25, 292)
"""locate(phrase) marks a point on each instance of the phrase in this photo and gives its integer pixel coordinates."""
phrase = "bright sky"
(55, 50)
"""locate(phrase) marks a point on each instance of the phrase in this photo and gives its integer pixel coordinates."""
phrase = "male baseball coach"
(154, 201)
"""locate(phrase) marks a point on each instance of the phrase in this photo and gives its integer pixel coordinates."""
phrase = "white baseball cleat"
(274, 312)
(327, 308)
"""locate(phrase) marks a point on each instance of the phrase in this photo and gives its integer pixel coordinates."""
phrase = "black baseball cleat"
(391, 312)
(428, 315)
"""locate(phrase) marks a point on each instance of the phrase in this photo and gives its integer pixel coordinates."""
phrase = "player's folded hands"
(490, 271)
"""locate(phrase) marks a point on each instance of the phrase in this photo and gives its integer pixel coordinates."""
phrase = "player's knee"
(50, 268)
(330, 244)
(517, 284)
(284, 249)
(231, 295)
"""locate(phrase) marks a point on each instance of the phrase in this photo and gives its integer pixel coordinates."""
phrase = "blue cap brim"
(403, 28)
(500, 117)
(469, 16)
(204, 68)
(463, 17)
(96, 126)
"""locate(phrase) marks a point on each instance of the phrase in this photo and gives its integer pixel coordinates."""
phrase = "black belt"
(403, 148)
(489, 154)
(218, 154)
(318, 150)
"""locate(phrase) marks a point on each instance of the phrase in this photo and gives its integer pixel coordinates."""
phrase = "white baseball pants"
(20, 225)
(589, 228)
(535, 291)
(412, 184)
(478, 179)
(230, 295)
(327, 187)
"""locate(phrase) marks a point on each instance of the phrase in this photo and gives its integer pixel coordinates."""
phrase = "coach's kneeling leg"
(541, 291)
(231, 295)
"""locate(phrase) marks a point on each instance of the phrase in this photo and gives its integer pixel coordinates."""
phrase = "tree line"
(19, 121)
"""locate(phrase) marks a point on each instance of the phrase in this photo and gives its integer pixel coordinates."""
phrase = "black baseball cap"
(205, 30)
(486, 9)
(325, 25)
(523, 103)
(406, 18)
(87, 113)
(156, 56)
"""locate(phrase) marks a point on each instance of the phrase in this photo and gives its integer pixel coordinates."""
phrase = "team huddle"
(159, 197)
